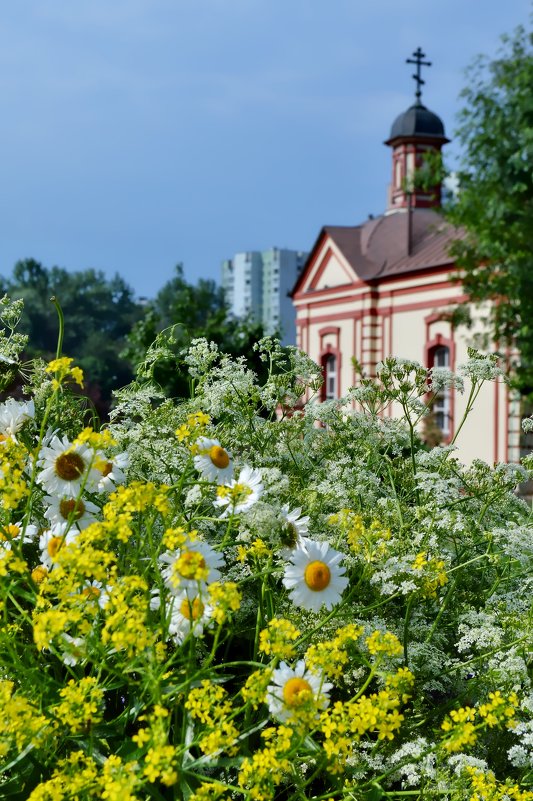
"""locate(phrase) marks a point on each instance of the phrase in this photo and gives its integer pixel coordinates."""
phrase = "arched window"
(330, 377)
(442, 402)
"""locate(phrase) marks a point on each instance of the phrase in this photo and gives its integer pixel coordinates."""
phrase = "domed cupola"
(414, 134)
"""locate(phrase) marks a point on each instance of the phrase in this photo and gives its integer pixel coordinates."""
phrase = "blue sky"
(139, 133)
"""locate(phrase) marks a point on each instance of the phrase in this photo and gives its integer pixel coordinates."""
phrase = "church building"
(384, 288)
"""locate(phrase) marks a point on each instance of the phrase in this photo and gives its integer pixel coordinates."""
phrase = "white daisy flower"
(241, 494)
(191, 567)
(294, 529)
(51, 542)
(73, 649)
(296, 689)
(13, 533)
(13, 415)
(111, 469)
(97, 591)
(188, 612)
(213, 461)
(65, 467)
(314, 577)
(73, 511)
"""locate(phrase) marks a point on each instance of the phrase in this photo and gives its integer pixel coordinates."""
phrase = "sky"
(136, 134)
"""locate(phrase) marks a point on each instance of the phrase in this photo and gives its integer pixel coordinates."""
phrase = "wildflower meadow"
(248, 594)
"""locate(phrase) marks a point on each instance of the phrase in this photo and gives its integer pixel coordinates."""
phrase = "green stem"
(61, 333)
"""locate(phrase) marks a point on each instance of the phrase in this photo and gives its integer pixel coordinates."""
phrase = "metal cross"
(418, 60)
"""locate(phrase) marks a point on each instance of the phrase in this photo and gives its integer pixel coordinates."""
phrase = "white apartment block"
(257, 284)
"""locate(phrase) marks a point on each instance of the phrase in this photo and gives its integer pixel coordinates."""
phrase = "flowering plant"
(236, 595)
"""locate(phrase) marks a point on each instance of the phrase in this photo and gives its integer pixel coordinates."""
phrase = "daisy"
(13, 533)
(111, 469)
(187, 613)
(13, 415)
(65, 467)
(96, 591)
(241, 494)
(71, 511)
(73, 649)
(213, 461)
(190, 567)
(51, 542)
(314, 577)
(295, 690)
(294, 528)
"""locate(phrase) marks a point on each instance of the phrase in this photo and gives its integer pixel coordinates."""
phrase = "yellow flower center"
(9, 532)
(54, 544)
(39, 574)
(91, 591)
(219, 456)
(107, 468)
(192, 610)
(296, 692)
(69, 466)
(317, 576)
(71, 509)
(191, 564)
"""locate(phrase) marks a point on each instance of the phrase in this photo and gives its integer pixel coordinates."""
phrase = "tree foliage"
(494, 206)
(99, 313)
(185, 312)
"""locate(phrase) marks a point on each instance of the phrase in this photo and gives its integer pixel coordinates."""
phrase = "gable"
(326, 268)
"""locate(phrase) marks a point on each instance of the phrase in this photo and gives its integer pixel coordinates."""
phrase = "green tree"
(494, 206)
(189, 311)
(99, 312)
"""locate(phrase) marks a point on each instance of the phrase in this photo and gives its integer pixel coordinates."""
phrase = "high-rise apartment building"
(257, 283)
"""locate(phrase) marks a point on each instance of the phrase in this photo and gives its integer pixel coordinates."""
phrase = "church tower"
(414, 135)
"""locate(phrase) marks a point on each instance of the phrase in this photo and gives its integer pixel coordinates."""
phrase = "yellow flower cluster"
(160, 757)
(225, 598)
(345, 723)
(384, 643)
(278, 639)
(77, 777)
(126, 626)
(22, 723)
(94, 439)
(369, 542)
(261, 773)
(137, 497)
(331, 656)
(210, 705)
(175, 538)
(462, 729)
(82, 704)
(63, 371)
(13, 485)
(209, 791)
(194, 427)
(255, 688)
(485, 787)
(433, 574)
(256, 550)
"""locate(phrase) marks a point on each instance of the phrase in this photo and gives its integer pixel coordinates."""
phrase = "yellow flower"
(278, 639)
(384, 642)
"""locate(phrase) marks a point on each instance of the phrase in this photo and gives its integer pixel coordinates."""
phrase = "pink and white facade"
(384, 288)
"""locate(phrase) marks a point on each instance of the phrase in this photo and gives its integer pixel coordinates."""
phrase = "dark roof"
(418, 122)
(378, 249)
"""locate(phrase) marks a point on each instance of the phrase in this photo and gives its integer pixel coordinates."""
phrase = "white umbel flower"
(191, 567)
(213, 461)
(241, 494)
(77, 512)
(313, 575)
(66, 467)
(296, 690)
(13, 415)
(52, 541)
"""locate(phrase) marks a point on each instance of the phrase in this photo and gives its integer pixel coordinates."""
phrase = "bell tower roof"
(418, 122)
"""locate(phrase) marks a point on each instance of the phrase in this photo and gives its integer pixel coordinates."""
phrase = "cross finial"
(418, 60)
